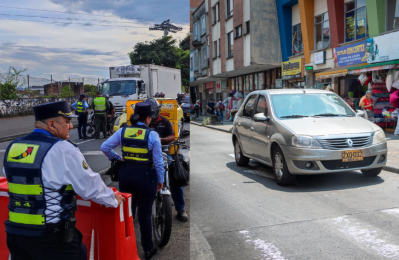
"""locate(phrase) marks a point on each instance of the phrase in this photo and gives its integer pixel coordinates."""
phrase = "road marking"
(2, 151)
(93, 153)
(394, 211)
(367, 236)
(232, 155)
(86, 141)
(269, 251)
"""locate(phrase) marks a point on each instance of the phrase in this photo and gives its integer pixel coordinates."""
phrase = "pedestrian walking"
(142, 173)
(45, 171)
(367, 103)
(197, 108)
(166, 134)
(221, 109)
(81, 107)
(110, 115)
(100, 109)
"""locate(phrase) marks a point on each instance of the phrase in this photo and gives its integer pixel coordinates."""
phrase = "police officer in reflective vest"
(81, 108)
(100, 110)
(45, 171)
(142, 173)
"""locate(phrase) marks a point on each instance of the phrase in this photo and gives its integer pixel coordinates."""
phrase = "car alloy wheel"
(237, 151)
(278, 165)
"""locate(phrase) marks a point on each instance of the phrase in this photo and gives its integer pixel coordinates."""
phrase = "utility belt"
(64, 230)
(139, 164)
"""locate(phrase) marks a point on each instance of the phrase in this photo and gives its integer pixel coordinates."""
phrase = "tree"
(12, 80)
(90, 90)
(185, 43)
(66, 92)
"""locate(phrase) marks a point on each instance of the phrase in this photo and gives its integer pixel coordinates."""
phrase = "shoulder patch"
(72, 143)
(85, 166)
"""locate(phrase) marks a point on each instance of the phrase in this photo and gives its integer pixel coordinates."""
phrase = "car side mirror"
(360, 113)
(260, 117)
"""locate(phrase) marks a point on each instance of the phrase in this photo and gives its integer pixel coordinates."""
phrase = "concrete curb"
(12, 137)
(211, 127)
(385, 168)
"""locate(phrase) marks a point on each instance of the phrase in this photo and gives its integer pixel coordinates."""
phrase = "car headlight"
(379, 137)
(117, 121)
(305, 142)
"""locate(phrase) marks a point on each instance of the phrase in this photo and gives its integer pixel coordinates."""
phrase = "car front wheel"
(372, 172)
(280, 169)
(241, 160)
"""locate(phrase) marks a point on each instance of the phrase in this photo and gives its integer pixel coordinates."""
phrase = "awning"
(374, 66)
(333, 73)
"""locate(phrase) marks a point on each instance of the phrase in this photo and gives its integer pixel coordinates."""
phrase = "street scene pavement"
(241, 213)
(178, 247)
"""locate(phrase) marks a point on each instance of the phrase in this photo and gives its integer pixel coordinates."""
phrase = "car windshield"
(186, 99)
(114, 88)
(291, 106)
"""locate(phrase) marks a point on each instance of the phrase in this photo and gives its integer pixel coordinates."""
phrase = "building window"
(392, 15)
(229, 8)
(215, 49)
(355, 20)
(195, 31)
(247, 28)
(297, 44)
(238, 31)
(230, 44)
(203, 26)
(322, 31)
(219, 47)
(196, 60)
(215, 13)
(204, 57)
(191, 63)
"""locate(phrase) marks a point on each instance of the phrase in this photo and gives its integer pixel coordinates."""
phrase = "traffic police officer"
(81, 107)
(45, 171)
(100, 108)
(164, 128)
(142, 173)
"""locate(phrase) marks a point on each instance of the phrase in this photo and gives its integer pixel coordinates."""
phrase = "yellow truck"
(169, 109)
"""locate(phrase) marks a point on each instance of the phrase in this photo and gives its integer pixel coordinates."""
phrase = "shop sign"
(279, 83)
(350, 54)
(224, 85)
(209, 85)
(319, 57)
(384, 67)
(383, 48)
(291, 69)
(308, 68)
(210, 91)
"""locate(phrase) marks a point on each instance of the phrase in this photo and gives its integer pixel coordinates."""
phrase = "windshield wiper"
(294, 116)
(329, 114)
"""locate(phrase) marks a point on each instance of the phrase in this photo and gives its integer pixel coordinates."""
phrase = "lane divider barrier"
(108, 233)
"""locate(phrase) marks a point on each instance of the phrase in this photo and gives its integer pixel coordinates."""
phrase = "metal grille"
(338, 164)
(341, 143)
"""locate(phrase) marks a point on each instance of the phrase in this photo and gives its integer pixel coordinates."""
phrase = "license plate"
(352, 156)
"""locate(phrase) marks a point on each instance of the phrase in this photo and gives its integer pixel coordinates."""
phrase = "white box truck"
(135, 82)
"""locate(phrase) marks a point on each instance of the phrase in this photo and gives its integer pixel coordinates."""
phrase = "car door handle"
(252, 128)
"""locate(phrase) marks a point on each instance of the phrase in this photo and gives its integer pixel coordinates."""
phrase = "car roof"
(292, 91)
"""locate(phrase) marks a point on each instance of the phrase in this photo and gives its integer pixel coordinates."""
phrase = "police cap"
(143, 109)
(83, 95)
(52, 109)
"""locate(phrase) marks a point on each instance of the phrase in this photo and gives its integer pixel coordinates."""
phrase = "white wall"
(247, 37)
(247, 10)
(230, 64)
(296, 19)
(320, 6)
(229, 27)
(216, 64)
(329, 61)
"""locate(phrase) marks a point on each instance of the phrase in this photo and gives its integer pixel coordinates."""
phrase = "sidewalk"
(392, 142)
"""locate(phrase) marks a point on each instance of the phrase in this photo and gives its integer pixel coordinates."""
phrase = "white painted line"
(3, 194)
(85, 203)
(86, 141)
(269, 251)
(9, 256)
(93, 153)
(367, 235)
(130, 206)
(391, 211)
(121, 212)
(2, 151)
(92, 245)
(232, 155)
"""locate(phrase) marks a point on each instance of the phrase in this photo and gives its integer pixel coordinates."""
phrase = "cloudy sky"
(80, 38)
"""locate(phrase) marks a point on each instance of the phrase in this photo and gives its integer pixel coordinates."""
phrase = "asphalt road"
(178, 247)
(241, 213)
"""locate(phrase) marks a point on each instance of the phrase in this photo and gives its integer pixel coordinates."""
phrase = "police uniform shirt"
(154, 145)
(85, 105)
(163, 127)
(64, 164)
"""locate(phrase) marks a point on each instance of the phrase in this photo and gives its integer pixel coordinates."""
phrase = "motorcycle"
(91, 130)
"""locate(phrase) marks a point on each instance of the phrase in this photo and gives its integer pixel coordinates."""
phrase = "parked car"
(306, 132)
(186, 107)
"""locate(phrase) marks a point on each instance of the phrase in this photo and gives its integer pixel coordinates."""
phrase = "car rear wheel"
(280, 169)
(241, 160)
(372, 172)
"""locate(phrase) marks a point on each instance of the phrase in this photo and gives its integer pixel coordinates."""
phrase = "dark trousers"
(178, 197)
(141, 182)
(82, 123)
(47, 247)
(109, 120)
(100, 121)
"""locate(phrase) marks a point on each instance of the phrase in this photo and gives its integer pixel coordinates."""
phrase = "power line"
(43, 10)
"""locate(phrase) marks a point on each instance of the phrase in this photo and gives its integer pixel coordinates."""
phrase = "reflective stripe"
(22, 153)
(69, 187)
(135, 158)
(28, 219)
(134, 150)
(135, 133)
(25, 189)
(79, 106)
(99, 104)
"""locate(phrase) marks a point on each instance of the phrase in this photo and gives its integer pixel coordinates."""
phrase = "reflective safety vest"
(135, 145)
(100, 105)
(79, 106)
(27, 196)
